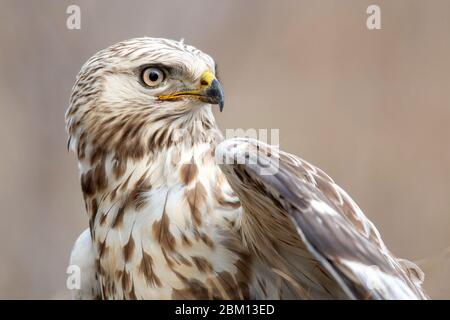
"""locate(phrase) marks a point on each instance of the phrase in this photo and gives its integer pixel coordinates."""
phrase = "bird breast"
(167, 227)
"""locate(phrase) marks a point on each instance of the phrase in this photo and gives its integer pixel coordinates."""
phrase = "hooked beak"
(210, 91)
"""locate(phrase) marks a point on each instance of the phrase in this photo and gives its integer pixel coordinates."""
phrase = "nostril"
(204, 82)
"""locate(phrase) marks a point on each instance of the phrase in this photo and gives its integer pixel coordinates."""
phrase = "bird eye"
(152, 76)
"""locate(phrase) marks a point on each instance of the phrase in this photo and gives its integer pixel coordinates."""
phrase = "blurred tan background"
(371, 108)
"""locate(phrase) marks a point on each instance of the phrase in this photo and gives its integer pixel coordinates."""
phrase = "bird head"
(132, 95)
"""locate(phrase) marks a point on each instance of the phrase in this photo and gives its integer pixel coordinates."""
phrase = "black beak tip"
(218, 90)
(215, 92)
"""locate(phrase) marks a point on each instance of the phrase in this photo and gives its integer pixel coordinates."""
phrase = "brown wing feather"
(303, 226)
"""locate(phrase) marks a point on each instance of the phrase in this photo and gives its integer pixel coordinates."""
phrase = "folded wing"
(308, 236)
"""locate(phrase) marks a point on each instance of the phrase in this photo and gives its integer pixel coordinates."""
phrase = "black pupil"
(153, 76)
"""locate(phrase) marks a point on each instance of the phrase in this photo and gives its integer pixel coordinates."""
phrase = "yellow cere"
(208, 77)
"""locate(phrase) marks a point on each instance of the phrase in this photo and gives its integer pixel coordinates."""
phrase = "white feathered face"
(159, 73)
(138, 86)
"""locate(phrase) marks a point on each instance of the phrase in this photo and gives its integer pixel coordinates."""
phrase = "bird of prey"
(177, 212)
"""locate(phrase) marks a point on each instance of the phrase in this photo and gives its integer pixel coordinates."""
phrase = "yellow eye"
(152, 76)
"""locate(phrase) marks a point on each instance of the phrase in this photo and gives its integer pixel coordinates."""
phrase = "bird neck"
(122, 175)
